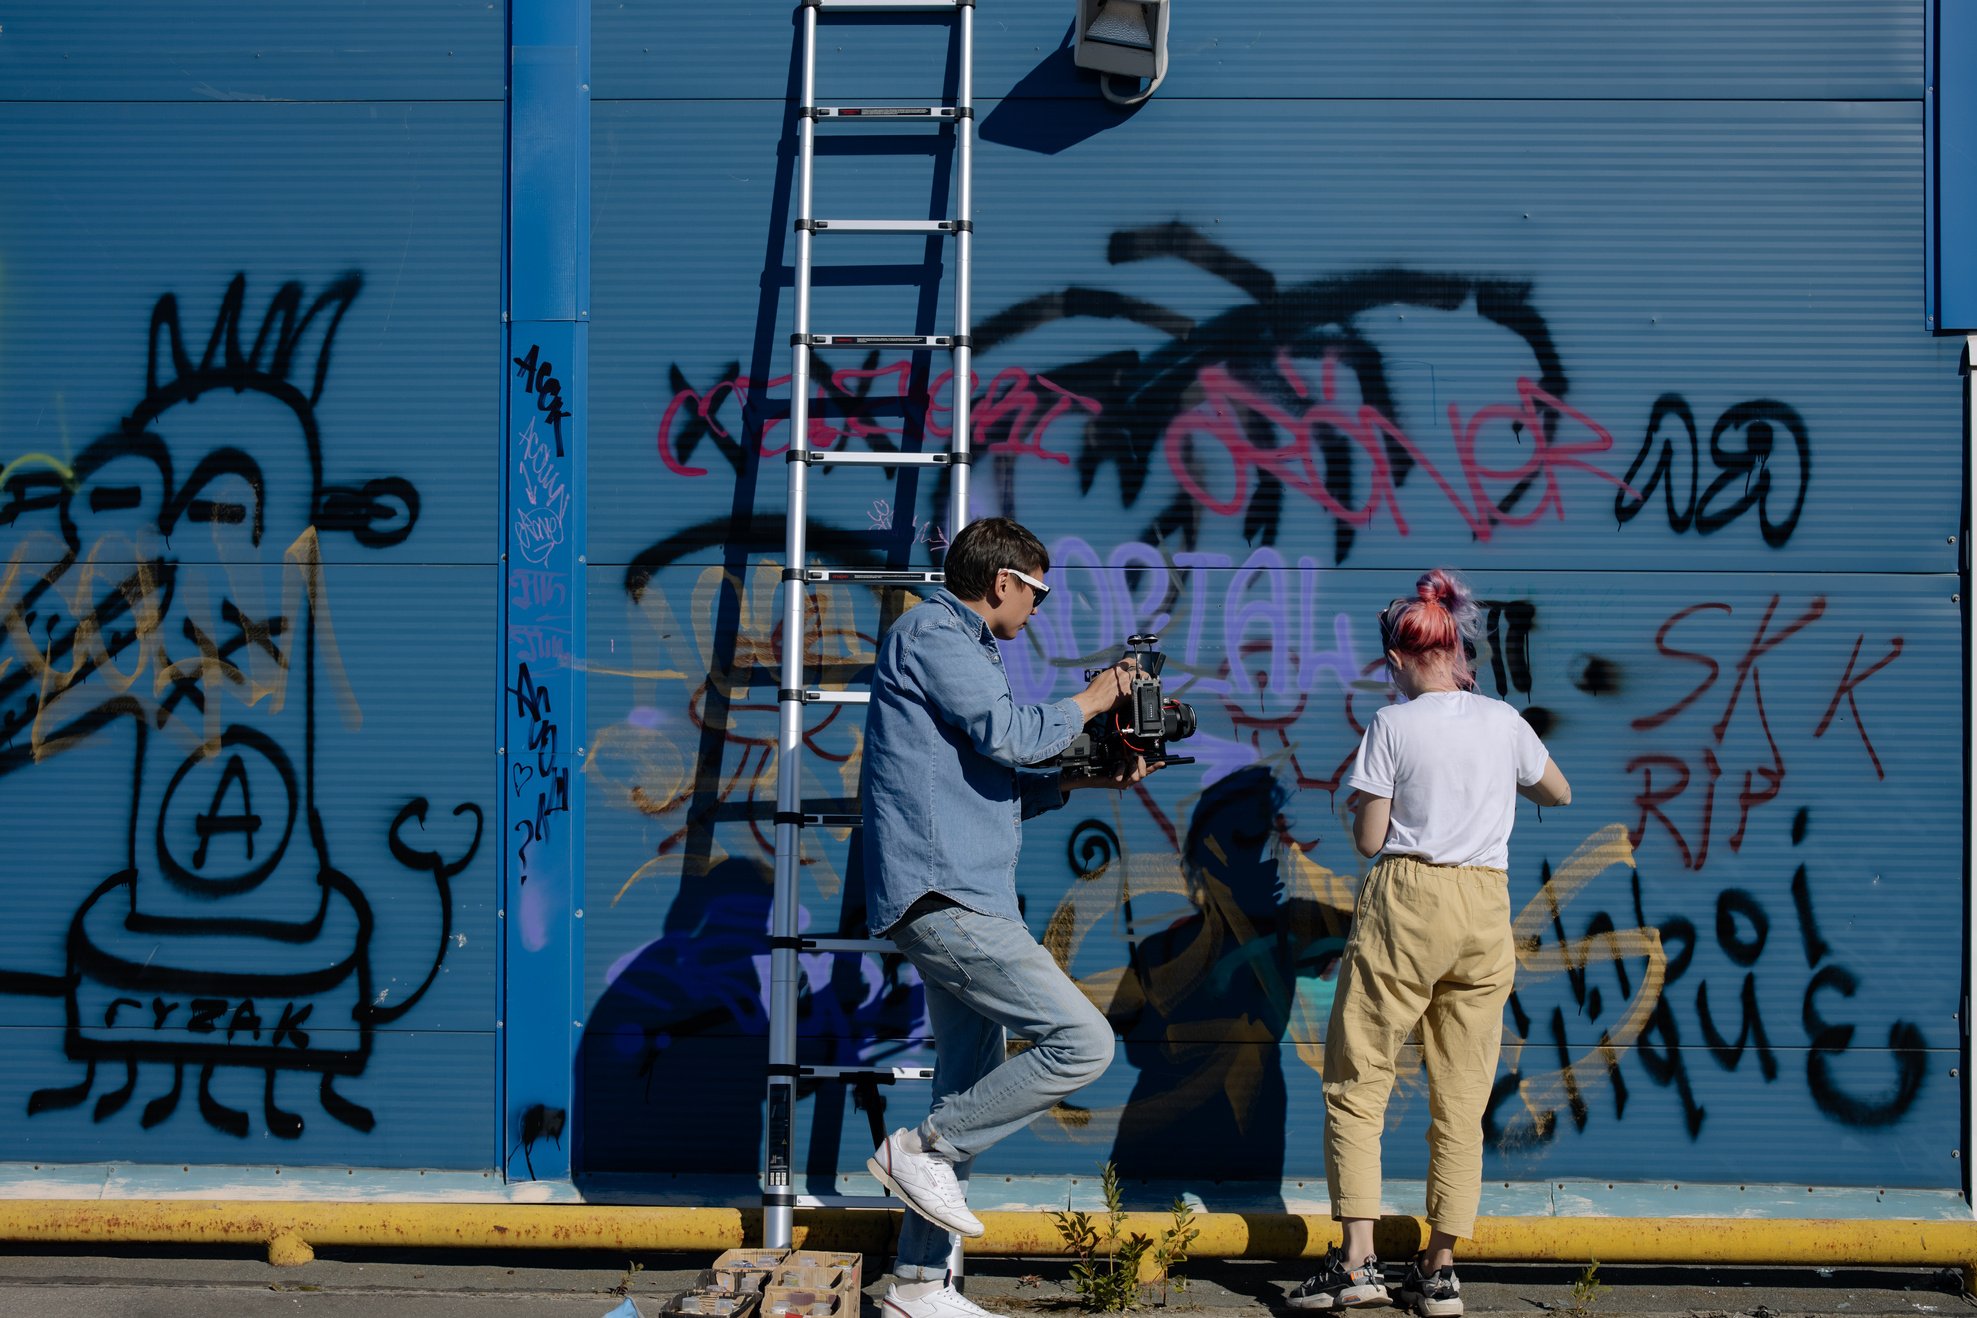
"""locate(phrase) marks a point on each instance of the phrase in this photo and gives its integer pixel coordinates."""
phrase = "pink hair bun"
(1437, 620)
(1441, 586)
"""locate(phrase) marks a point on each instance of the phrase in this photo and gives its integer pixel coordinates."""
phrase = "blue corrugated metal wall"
(249, 318)
(1618, 312)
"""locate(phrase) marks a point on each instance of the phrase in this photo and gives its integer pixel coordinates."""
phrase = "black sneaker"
(1431, 1294)
(1337, 1286)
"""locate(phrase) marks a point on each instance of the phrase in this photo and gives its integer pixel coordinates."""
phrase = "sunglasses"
(1386, 622)
(1042, 591)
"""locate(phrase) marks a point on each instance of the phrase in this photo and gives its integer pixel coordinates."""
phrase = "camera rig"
(1142, 727)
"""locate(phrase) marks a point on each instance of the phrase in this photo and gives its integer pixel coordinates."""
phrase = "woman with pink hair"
(1434, 790)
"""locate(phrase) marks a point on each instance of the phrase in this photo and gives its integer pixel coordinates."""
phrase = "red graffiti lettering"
(1845, 690)
(1761, 645)
(1227, 418)
(876, 403)
(1010, 402)
(1773, 773)
(1650, 799)
(1650, 721)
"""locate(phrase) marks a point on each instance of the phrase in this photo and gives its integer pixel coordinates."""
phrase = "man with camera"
(948, 778)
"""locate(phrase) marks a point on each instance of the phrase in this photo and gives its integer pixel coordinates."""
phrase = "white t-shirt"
(1451, 762)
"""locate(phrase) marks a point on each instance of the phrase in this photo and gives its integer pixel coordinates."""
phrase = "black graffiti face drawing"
(196, 619)
(234, 669)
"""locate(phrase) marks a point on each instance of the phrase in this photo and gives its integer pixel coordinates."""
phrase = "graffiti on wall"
(1221, 478)
(1284, 394)
(542, 740)
(165, 596)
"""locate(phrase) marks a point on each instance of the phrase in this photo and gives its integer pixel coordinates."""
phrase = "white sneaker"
(943, 1303)
(926, 1182)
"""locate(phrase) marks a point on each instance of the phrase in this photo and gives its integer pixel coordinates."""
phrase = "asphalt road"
(156, 1282)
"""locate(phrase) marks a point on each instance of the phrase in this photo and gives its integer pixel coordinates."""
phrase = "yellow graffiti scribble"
(644, 769)
(1332, 892)
(204, 668)
(45, 460)
(1220, 1058)
(91, 677)
(1236, 959)
(1544, 1093)
(649, 867)
(304, 559)
(645, 674)
(89, 653)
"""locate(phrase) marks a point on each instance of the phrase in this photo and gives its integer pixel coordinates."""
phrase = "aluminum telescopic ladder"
(779, 1198)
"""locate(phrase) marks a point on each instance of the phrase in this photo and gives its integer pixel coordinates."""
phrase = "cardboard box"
(798, 1302)
(740, 1270)
(715, 1304)
(852, 1265)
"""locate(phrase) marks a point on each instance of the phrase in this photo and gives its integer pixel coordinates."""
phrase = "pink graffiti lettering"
(1224, 418)
(533, 589)
(1013, 414)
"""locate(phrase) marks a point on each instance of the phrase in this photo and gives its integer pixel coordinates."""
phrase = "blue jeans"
(985, 976)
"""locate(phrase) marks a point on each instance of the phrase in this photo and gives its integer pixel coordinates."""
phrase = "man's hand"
(1118, 782)
(1110, 689)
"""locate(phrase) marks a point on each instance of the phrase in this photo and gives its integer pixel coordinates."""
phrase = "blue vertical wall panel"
(544, 449)
(1615, 311)
(1952, 290)
(248, 525)
(543, 745)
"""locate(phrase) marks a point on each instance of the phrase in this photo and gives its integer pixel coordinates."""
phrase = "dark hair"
(984, 548)
(1438, 618)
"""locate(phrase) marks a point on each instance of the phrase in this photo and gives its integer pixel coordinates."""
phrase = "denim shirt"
(943, 784)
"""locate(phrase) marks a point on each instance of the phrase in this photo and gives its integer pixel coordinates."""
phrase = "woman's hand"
(1551, 789)
(1371, 814)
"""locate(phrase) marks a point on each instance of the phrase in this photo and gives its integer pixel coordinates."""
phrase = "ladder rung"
(890, 4)
(885, 226)
(879, 946)
(815, 697)
(833, 821)
(867, 1072)
(833, 458)
(873, 576)
(878, 340)
(931, 113)
(846, 1201)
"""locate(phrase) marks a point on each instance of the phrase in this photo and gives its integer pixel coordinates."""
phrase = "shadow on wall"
(671, 1063)
(1204, 1003)
(671, 1066)
(1053, 107)
(669, 1070)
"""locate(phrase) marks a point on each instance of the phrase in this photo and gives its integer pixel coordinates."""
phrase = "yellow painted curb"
(293, 1231)
(1546, 1239)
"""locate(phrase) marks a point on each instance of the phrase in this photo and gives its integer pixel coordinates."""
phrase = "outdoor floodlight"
(1123, 38)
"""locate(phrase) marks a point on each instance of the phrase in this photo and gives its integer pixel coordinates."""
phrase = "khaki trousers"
(1430, 946)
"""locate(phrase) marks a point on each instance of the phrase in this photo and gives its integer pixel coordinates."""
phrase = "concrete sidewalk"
(162, 1283)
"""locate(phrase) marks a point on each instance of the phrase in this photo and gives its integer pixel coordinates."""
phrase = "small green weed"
(1587, 1290)
(1172, 1250)
(626, 1282)
(1108, 1274)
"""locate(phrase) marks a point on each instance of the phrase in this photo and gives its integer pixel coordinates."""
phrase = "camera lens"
(1177, 721)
